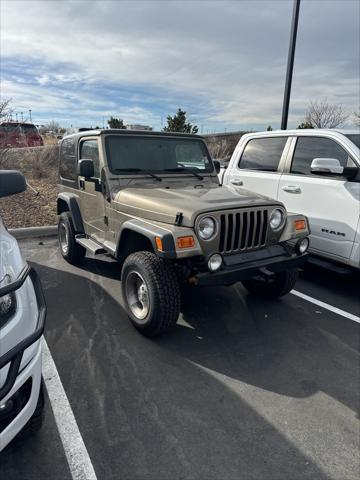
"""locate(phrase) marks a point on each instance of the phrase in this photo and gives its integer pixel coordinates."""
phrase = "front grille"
(243, 230)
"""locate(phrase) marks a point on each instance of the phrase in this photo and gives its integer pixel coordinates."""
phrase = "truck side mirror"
(11, 182)
(86, 168)
(216, 165)
(326, 166)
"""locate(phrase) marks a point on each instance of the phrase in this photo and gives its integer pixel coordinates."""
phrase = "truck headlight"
(206, 228)
(276, 219)
(7, 302)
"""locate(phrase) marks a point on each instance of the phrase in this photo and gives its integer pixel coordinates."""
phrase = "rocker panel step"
(91, 245)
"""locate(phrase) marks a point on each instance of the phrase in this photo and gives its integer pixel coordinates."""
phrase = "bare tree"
(52, 126)
(356, 118)
(6, 113)
(322, 114)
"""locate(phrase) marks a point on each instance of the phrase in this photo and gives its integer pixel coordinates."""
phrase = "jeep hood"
(162, 204)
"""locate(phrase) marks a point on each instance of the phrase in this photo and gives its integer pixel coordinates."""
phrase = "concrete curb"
(34, 232)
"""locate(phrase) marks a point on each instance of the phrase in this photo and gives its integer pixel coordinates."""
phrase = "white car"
(22, 317)
(313, 172)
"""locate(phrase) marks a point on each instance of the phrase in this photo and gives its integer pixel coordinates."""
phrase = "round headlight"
(206, 228)
(276, 219)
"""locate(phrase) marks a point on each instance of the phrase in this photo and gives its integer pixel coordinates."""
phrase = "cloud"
(224, 61)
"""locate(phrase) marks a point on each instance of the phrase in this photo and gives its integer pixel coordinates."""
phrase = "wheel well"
(132, 242)
(62, 206)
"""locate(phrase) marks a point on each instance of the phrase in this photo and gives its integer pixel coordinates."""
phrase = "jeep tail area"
(153, 202)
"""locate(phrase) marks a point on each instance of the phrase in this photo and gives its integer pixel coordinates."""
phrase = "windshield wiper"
(184, 169)
(121, 170)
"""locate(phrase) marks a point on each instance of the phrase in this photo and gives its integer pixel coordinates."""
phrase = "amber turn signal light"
(159, 244)
(185, 242)
(300, 224)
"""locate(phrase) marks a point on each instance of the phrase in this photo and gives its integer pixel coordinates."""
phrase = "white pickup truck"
(313, 172)
(22, 317)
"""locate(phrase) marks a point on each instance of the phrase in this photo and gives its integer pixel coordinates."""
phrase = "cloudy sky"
(224, 62)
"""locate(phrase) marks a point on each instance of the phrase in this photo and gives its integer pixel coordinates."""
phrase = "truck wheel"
(70, 250)
(151, 293)
(281, 284)
(36, 421)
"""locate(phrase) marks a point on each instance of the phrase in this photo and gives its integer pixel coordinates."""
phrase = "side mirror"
(86, 168)
(216, 165)
(11, 182)
(326, 166)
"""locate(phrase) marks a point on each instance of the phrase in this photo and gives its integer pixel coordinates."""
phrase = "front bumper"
(246, 265)
(22, 383)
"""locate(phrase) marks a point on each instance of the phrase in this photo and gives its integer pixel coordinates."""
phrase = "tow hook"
(266, 274)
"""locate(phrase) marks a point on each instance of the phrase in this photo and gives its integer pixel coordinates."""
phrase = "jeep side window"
(68, 168)
(89, 149)
(263, 154)
(308, 148)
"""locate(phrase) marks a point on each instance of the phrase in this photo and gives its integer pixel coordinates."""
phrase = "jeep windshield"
(162, 155)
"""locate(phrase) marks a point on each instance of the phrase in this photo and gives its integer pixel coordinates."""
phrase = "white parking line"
(348, 315)
(77, 456)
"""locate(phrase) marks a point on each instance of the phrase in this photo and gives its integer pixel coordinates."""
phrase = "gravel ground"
(39, 166)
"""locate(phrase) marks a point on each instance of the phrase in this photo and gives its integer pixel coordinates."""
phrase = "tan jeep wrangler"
(153, 201)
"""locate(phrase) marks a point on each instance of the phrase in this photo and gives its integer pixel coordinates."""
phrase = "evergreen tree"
(178, 123)
(116, 123)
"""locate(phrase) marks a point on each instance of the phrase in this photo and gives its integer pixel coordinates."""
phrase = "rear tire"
(71, 251)
(281, 284)
(151, 293)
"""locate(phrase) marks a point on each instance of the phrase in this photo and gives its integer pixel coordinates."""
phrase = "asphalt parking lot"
(242, 389)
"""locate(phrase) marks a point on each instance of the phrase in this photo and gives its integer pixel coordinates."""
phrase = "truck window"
(308, 148)
(263, 154)
(68, 168)
(89, 149)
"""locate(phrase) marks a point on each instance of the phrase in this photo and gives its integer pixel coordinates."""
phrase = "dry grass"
(40, 166)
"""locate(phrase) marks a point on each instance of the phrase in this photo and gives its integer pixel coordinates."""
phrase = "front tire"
(281, 284)
(151, 293)
(71, 251)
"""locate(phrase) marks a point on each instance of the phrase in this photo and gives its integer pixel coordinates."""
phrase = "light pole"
(30, 115)
(290, 64)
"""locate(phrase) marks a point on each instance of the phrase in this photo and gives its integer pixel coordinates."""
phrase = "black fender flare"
(150, 232)
(71, 201)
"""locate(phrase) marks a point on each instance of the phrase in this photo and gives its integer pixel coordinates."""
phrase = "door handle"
(237, 182)
(291, 188)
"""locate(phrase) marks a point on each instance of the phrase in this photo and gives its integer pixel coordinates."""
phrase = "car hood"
(163, 204)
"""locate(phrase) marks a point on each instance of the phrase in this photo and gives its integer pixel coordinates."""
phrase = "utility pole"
(22, 116)
(290, 64)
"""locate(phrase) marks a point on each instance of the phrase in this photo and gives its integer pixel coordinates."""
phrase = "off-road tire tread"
(283, 284)
(163, 276)
(76, 252)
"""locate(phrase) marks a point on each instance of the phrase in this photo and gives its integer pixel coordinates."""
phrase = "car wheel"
(70, 249)
(281, 284)
(151, 293)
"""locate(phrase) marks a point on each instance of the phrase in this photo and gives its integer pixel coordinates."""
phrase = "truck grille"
(243, 230)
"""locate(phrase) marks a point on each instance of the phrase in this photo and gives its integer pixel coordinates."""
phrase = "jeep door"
(92, 202)
(259, 165)
(330, 203)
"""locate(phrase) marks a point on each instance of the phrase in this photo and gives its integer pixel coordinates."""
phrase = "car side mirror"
(11, 182)
(326, 166)
(216, 165)
(86, 168)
